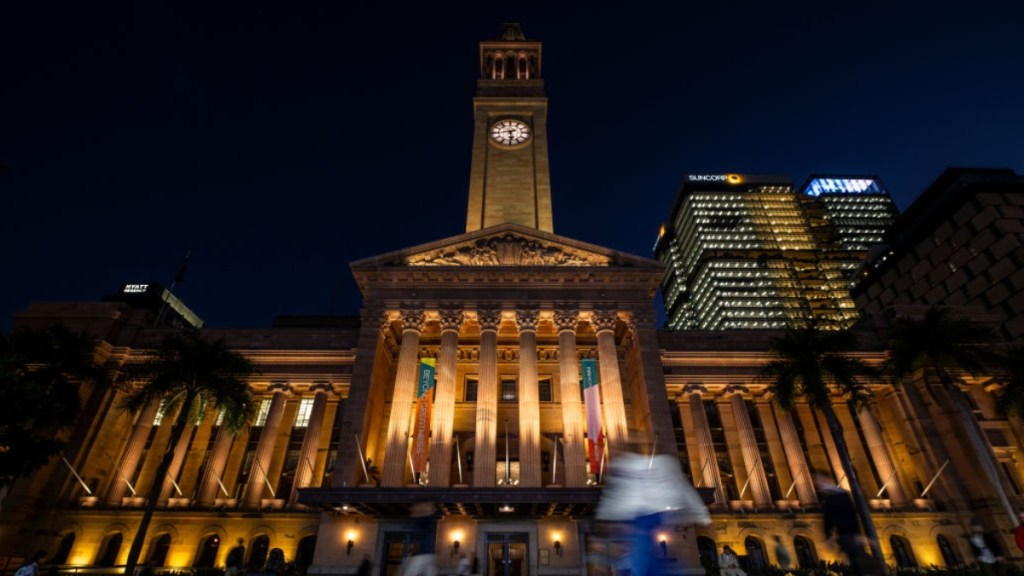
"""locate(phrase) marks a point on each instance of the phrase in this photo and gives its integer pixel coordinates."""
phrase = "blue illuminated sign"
(819, 186)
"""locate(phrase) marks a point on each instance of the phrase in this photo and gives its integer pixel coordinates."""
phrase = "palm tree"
(41, 374)
(189, 374)
(940, 345)
(809, 363)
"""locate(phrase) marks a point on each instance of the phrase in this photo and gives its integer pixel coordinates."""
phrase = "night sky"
(280, 142)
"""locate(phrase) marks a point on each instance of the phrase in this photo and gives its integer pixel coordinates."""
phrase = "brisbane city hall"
(510, 315)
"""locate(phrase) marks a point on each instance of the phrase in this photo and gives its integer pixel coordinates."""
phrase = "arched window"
(258, 553)
(158, 550)
(206, 557)
(806, 555)
(110, 550)
(708, 551)
(949, 555)
(901, 552)
(756, 559)
(64, 550)
(304, 553)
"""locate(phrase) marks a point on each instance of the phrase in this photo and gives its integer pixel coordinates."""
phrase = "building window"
(469, 394)
(160, 412)
(258, 553)
(508, 391)
(544, 390)
(158, 550)
(110, 551)
(902, 553)
(806, 556)
(507, 475)
(261, 416)
(207, 556)
(64, 550)
(708, 551)
(756, 559)
(305, 409)
(949, 555)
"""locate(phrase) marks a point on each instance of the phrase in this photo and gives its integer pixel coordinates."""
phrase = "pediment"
(506, 245)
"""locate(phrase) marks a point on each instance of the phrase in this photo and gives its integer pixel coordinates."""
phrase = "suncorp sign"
(730, 178)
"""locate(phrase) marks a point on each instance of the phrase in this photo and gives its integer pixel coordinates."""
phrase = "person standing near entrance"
(842, 526)
(235, 563)
(782, 554)
(987, 551)
(423, 561)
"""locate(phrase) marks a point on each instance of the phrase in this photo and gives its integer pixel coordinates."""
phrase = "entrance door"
(397, 545)
(508, 554)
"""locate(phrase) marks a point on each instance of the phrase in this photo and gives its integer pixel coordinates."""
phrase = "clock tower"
(509, 179)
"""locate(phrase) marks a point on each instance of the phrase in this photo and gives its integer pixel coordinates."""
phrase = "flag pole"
(179, 277)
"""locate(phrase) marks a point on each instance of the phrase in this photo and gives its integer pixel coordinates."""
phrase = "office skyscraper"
(749, 252)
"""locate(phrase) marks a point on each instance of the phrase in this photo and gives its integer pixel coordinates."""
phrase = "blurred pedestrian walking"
(646, 491)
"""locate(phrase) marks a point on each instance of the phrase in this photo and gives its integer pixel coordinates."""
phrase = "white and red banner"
(421, 425)
(592, 404)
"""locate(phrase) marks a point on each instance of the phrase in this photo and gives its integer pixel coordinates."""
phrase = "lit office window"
(508, 390)
(261, 416)
(305, 409)
(160, 413)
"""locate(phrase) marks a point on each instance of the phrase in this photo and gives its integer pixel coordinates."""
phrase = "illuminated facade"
(749, 252)
(507, 311)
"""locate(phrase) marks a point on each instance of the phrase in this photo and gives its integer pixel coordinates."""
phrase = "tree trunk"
(863, 510)
(158, 482)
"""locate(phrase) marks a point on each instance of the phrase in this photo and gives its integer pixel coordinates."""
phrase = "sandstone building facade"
(507, 311)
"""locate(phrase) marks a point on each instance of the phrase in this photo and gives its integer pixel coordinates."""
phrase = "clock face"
(510, 132)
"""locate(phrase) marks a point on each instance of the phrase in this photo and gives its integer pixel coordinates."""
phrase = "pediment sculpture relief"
(507, 250)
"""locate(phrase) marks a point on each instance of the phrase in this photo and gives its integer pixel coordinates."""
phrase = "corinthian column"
(396, 452)
(880, 455)
(180, 451)
(265, 448)
(611, 381)
(791, 445)
(132, 453)
(529, 402)
(311, 439)
(709, 475)
(487, 399)
(573, 451)
(443, 418)
(756, 480)
(211, 481)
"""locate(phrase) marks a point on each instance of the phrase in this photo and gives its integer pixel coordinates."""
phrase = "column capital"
(527, 319)
(566, 319)
(451, 319)
(283, 387)
(412, 319)
(325, 387)
(695, 389)
(373, 317)
(489, 319)
(736, 389)
(603, 320)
